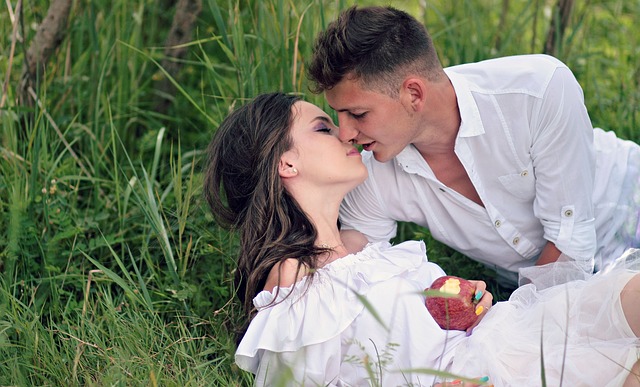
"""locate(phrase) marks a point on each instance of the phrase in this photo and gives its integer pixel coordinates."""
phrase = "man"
(498, 159)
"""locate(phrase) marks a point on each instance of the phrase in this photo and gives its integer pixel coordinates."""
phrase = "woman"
(323, 313)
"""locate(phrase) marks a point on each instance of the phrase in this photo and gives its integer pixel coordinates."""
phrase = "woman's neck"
(328, 238)
(322, 207)
(321, 203)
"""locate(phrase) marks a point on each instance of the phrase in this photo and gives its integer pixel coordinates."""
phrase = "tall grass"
(112, 270)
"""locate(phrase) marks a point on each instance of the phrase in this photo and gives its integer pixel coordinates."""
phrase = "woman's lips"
(353, 152)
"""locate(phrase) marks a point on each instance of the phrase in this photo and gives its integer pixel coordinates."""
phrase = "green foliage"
(112, 270)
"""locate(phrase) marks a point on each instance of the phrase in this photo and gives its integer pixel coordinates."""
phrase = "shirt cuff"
(575, 239)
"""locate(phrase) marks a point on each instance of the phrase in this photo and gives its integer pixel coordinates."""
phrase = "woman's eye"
(325, 130)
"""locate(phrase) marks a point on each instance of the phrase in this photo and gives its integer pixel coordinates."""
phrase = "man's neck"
(441, 121)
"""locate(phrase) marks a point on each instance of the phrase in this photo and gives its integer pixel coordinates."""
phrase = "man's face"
(376, 121)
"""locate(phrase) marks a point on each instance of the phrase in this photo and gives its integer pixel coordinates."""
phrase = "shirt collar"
(411, 161)
(470, 120)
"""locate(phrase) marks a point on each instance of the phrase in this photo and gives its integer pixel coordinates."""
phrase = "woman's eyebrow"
(323, 119)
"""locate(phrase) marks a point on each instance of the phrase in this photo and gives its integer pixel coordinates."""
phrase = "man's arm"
(353, 240)
(550, 253)
(564, 165)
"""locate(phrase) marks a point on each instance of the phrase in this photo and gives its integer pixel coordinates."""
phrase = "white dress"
(362, 321)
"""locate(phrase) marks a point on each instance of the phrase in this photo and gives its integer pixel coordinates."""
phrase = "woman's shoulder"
(285, 273)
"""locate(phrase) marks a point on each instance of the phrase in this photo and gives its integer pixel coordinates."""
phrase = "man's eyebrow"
(340, 110)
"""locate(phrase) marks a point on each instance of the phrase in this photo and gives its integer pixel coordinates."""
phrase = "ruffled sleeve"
(301, 334)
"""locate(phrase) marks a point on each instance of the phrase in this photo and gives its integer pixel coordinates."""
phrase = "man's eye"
(358, 116)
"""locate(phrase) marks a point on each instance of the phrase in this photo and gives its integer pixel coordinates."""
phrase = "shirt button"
(516, 240)
(498, 223)
(524, 173)
(568, 213)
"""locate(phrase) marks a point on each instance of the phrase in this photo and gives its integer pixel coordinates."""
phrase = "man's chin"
(381, 157)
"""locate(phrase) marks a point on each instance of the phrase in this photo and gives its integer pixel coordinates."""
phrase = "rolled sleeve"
(576, 240)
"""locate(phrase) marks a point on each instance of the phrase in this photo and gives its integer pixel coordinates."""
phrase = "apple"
(451, 302)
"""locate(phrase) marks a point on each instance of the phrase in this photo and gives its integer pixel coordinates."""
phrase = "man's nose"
(347, 131)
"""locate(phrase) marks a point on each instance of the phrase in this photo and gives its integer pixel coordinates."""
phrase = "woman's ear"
(286, 169)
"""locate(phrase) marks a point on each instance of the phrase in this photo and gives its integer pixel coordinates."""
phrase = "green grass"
(112, 270)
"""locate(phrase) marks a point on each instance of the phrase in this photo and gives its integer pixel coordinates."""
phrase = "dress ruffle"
(334, 290)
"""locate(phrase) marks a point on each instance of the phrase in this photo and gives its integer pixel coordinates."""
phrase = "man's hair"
(378, 46)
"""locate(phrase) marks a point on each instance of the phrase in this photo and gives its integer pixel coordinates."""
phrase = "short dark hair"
(377, 45)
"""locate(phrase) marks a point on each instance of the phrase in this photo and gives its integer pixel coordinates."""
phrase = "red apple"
(450, 300)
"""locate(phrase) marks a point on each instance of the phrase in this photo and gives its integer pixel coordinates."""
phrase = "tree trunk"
(48, 37)
(187, 12)
(502, 25)
(558, 25)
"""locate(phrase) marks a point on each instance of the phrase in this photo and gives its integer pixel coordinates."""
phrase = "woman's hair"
(245, 192)
(376, 45)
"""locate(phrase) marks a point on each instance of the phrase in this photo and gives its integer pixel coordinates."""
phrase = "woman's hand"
(480, 382)
(485, 301)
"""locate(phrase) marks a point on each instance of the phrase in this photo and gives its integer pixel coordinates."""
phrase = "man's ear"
(413, 93)
(286, 168)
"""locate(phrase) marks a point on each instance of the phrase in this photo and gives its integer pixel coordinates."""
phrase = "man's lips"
(368, 146)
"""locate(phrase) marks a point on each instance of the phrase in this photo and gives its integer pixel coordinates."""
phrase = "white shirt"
(527, 144)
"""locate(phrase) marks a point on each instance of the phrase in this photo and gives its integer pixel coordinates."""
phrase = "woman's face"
(317, 154)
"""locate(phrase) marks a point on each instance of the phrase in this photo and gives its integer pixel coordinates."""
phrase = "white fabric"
(563, 270)
(364, 315)
(541, 170)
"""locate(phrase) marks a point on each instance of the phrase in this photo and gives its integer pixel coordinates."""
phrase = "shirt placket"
(501, 223)
(413, 163)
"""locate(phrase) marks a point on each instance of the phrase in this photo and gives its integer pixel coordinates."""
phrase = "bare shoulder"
(354, 241)
(285, 274)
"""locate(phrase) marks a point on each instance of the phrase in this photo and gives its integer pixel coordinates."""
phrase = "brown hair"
(377, 45)
(245, 192)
